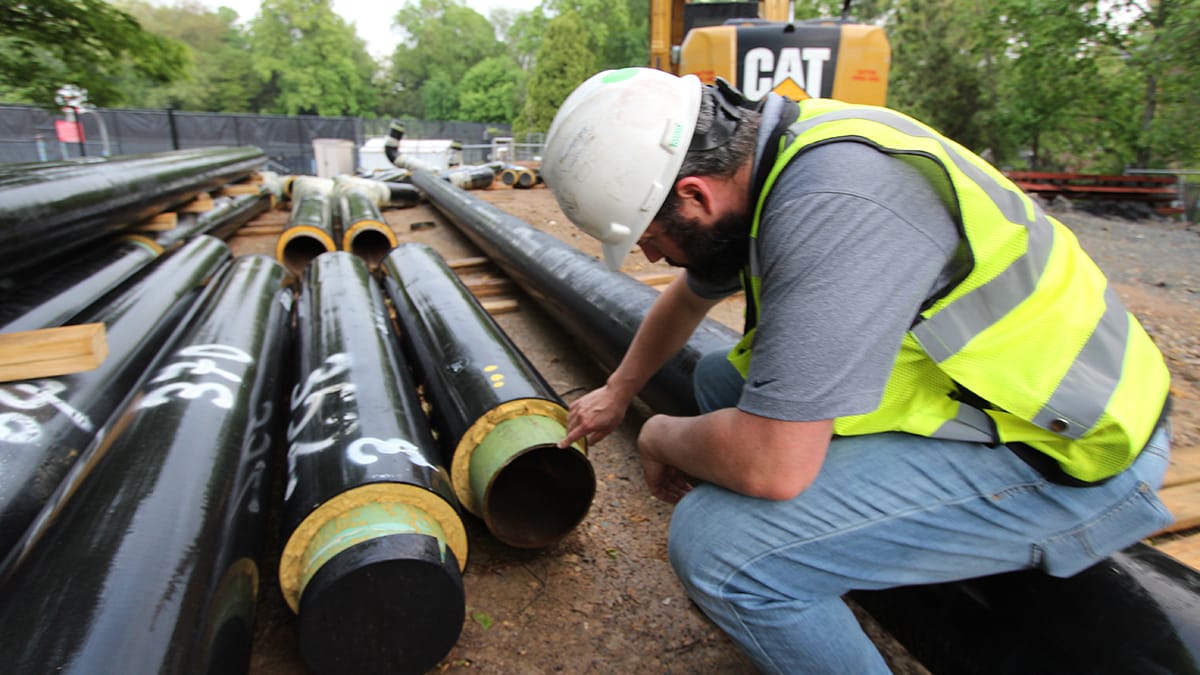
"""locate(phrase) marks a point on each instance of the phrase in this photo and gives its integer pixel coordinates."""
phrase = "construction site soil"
(604, 599)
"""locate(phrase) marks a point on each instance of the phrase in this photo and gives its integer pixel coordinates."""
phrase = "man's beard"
(714, 255)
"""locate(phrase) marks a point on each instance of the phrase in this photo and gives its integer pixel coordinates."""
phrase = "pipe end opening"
(539, 496)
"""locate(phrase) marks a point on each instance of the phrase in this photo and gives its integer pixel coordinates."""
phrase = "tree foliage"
(50, 43)
(219, 75)
(491, 91)
(310, 60)
(444, 39)
(563, 62)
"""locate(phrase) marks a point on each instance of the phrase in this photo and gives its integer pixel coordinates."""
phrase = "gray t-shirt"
(851, 242)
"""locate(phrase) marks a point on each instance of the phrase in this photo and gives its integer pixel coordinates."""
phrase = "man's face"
(710, 253)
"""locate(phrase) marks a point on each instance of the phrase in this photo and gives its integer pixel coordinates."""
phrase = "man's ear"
(695, 197)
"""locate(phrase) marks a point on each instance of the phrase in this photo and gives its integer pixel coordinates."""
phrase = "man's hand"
(665, 482)
(594, 415)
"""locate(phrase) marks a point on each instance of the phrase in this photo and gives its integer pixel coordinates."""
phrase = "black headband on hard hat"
(727, 103)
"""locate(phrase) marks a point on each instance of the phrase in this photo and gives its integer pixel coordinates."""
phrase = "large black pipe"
(365, 233)
(495, 414)
(48, 210)
(309, 231)
(57, 293)
(45, 424)
(600, 308)
(147, 558)
(1156, 628)
(374, 542)
(1135, 612)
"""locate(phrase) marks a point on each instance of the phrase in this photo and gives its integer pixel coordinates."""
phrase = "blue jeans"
(887, 510)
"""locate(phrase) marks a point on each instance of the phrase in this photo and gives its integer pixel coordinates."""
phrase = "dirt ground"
(604, 599)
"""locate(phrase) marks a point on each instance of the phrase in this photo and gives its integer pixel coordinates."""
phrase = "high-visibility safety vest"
(1032, 336)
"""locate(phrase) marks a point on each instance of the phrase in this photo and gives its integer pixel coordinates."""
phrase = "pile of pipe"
(134, 497)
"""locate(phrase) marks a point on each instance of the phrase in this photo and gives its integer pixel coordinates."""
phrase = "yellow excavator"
(758, 48)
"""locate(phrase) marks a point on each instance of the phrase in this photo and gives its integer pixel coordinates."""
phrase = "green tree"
(46, 44)
(310, 60)
(563, 62)
(936, 74)
(491, 91)
(617, 31)
(219, 78)
(443, 40)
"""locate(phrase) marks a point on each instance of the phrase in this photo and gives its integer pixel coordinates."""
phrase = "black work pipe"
(46, 423)
(48, 210)
(309, 232)
(1135, 612)
(221, 221)
(60, 292)
(147, 560)
(600, 308)
(497, 417)
(1159, 620)
(364, 231)
(374, 542)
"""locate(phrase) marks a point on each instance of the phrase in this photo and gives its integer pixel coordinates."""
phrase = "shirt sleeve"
(851, 242)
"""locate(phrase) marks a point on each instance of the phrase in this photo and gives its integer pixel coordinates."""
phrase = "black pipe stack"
(374, 542)
(364, 231)
(222, 221)
(47, 423)
(497, 417)
(48, 209)
(147, 560)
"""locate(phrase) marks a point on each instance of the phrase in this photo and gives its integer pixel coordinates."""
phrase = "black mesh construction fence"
(30, 134)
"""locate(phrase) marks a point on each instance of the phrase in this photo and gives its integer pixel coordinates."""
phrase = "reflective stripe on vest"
(1091, 374)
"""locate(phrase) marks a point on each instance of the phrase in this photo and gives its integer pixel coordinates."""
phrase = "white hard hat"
(614, 150)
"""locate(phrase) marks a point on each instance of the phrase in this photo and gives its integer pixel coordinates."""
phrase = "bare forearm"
(751, 455)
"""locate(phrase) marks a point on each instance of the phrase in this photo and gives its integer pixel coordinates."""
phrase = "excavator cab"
(759, 49)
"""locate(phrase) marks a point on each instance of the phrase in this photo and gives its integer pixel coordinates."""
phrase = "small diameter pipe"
(365, 233)
(309, 232)
(599, 308)
(60, 292)
(147, 560)
(50, 209)
(222, 221)
(374, 542)
(493, 410)
(45, 424)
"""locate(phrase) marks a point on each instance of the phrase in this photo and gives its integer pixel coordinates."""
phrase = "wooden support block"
(160, 223)
(239, 189)
(1183, 501)
(500, 306)
(1184, 549)
(203, 202)
(52, 351)
(464, 263)
(256, 230)
(488, 286)
(656, 278)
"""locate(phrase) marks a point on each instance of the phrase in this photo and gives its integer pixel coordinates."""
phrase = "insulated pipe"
(60, 292)
(519, 177)
(496, 415)
(226, 216)
(46, 423)
(471, 177)
(374, 542)
(600, 308)
(46, 211)
(364, 231)
(147, 560)
(309, 232)
(1135, 612)
(1158, 596)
